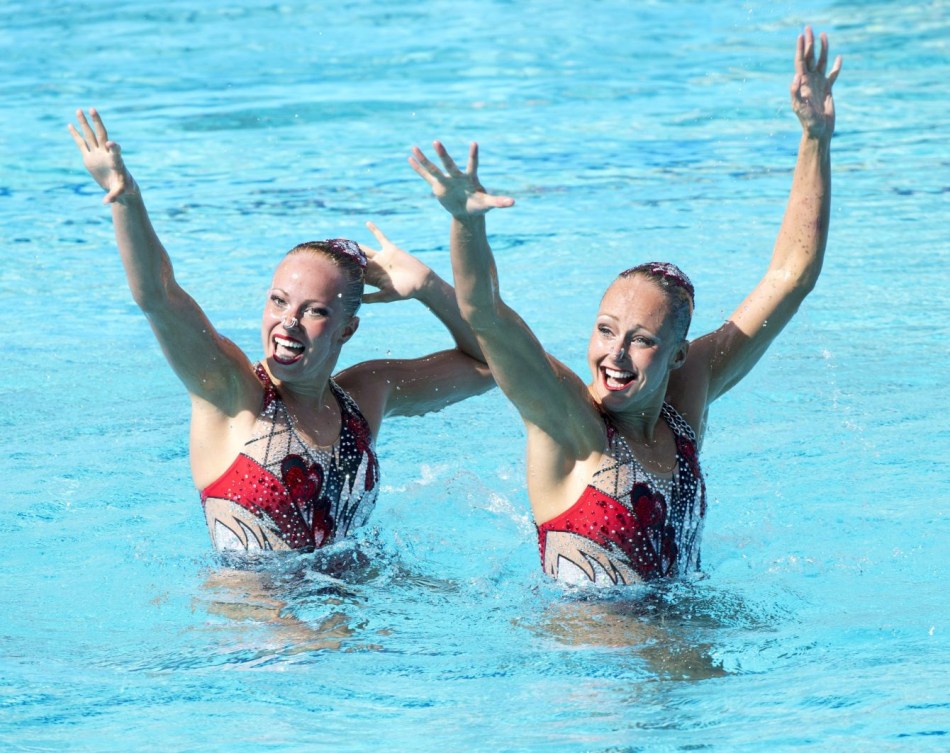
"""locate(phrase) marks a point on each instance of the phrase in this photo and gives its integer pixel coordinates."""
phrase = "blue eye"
(278, 301)
(317, 312)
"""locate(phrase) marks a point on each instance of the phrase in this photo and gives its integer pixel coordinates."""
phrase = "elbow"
(798, 280)
(807, 281)
(794, 296)
(478, 381)
(150, 299)
(484, 379)
(805, 287)
(155, 296)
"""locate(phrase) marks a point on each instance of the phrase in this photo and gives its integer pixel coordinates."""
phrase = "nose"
(289, 322)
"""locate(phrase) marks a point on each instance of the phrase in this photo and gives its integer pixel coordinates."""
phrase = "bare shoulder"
(218, 434)
(368, 384)
(558, 472)
(688, 388)
(565, 449)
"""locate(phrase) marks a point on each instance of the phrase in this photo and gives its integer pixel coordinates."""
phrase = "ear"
(679, 356)
(350, 329)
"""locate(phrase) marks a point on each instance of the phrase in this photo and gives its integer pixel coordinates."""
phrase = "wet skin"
(634, 346)
(305, 324)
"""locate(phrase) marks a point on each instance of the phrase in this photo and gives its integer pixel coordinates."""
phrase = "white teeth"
(614, 374)
(283, 342)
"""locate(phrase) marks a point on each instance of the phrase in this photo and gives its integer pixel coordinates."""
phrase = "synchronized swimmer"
(283, 451)
(613, 471)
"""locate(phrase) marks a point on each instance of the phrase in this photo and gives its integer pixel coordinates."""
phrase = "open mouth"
(615, 379)
(287, 350)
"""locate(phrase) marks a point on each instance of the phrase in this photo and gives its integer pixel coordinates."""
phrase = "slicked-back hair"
(675, 284)
(353, 292)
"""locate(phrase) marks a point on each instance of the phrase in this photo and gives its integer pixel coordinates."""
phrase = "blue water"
(625, 132)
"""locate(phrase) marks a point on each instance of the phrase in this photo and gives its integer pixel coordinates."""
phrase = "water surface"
(625, 132)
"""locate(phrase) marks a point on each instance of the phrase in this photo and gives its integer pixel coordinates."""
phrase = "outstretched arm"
(732, 351)
(203, 360)
(543, 390)
(413, 387)
(399, 275)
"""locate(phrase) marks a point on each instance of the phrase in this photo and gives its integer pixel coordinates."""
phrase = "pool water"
(625, 132)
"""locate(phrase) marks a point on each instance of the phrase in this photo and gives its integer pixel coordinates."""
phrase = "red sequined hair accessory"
(346, 248)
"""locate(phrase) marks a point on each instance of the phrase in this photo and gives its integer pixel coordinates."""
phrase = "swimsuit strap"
(344, 399)
(270, 391)
(677, 423)
(348, 404)
(673, 419)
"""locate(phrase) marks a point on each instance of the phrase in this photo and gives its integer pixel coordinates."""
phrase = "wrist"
(819, 139)
(471, 223)
(129, 190)
(818, 145)
(429, 288)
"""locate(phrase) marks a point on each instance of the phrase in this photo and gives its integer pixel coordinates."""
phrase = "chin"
(618, 399)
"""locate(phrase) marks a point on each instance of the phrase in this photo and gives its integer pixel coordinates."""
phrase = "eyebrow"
(637, 328)
(305, 301)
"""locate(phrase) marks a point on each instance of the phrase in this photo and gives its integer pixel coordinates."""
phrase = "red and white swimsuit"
(630, 525)
(282, 492)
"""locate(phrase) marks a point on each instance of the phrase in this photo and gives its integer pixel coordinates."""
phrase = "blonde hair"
(346, 260)
(677, 286)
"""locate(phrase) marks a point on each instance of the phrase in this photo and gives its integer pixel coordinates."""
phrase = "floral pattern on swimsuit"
(285, 493)
(630, 525)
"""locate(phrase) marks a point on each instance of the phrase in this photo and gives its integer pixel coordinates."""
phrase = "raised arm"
(732, 351)
(542, 389)
(398, 276)
(205, 362)
(409, 387)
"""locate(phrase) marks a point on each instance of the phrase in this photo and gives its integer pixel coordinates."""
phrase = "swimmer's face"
(305, 322)
(634, 345)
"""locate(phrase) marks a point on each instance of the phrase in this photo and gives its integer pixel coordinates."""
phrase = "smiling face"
(634, 345)
(305, 320)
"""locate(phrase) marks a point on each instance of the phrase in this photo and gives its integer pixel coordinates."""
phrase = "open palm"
(811, 88)
(460, 192)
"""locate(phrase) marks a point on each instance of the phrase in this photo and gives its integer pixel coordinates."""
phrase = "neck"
(309, 396)
(638, 424)
(314, 410)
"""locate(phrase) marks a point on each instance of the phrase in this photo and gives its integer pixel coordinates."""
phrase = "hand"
(398, 275)
(459, 192)
(811, 89)
(102, 158)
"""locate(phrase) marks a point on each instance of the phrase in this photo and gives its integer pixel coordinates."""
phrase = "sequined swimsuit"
(629, 524)
(285, 493)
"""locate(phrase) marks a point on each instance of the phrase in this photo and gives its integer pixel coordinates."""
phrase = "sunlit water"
(625, 132)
